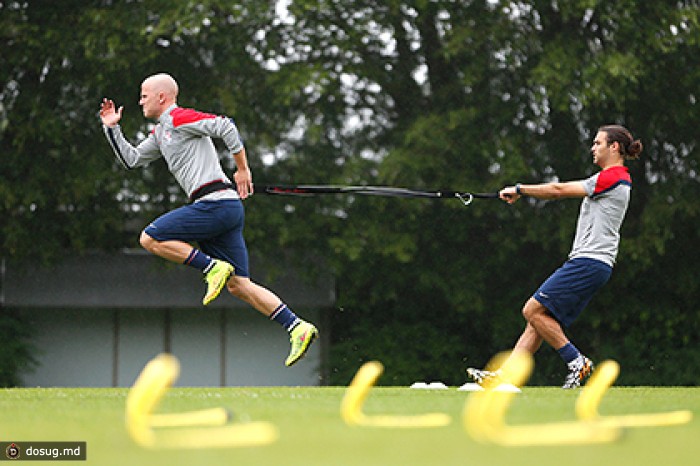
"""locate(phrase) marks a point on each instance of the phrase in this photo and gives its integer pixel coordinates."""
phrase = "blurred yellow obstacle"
(205, 417)
(589, 400)
(484, 414)
(356, 394)
(150, 387)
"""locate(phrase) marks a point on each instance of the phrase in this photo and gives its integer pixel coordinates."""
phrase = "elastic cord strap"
(208, 188)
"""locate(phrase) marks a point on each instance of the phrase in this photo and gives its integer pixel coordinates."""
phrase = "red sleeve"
(183, 116)
(611, 178)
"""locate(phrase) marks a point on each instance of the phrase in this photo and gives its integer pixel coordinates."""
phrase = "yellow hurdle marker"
(356, 394)
(589, 400)
(150, 387)
(232, 436)
(484, 414)
(205, 417)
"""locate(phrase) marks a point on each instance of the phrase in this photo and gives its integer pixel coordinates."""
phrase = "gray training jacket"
(183, 137)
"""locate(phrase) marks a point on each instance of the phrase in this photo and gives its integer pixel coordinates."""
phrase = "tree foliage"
(434, 94)
(17, 353)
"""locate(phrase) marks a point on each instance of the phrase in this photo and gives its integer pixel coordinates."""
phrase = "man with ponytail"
(562, 297)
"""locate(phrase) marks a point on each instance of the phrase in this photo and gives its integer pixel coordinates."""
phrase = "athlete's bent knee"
(532, 309)
(147, 242)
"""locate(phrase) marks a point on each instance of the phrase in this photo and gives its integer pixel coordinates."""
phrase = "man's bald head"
(158, 92)
(163, 82)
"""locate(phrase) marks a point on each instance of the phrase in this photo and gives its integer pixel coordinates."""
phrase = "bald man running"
(214, 219)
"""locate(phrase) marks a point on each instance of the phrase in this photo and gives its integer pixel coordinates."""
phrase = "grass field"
(312, 432)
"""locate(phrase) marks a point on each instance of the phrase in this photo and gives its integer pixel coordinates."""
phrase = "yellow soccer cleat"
(216, 278)
(301, 337)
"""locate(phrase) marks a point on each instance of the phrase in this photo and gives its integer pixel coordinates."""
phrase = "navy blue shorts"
(216, 226)
(569, 289)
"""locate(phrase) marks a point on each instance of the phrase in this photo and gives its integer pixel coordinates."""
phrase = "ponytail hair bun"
(634, 149)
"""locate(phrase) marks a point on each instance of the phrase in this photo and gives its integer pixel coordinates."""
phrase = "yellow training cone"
(604, 376)
(356, 394)
(236, 435)
(484, 414)
(205, 417)
(150, 387)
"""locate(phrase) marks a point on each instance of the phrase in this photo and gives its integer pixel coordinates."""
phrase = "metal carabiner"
(466, 198)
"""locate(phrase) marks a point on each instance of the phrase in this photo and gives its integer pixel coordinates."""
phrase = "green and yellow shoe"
(301, 337)
(216, 278)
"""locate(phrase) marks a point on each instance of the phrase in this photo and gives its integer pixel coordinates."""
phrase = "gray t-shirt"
(601, 215)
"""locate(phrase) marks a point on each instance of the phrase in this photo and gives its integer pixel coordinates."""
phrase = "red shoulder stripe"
(183, 116)
(608, 179)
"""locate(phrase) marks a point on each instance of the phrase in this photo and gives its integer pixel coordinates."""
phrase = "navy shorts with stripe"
(569, 289)
(216, 226)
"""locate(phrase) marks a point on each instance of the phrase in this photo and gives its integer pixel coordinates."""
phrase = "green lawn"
(312, 432)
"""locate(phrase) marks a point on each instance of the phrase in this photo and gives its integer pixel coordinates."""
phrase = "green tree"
(17, 353)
